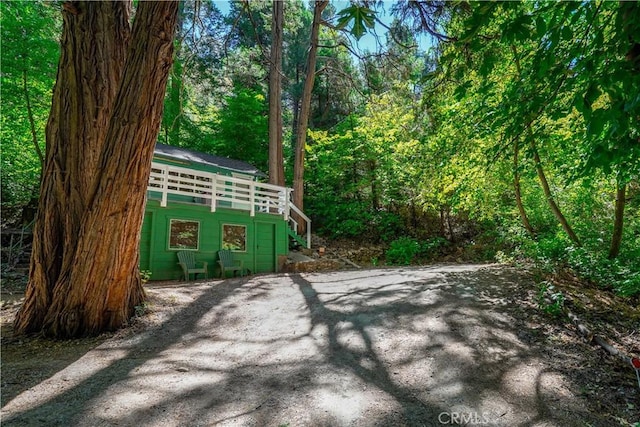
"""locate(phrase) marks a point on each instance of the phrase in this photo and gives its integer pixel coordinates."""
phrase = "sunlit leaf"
(361, 18)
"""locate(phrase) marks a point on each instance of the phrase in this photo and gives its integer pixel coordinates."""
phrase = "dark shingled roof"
(163, 150)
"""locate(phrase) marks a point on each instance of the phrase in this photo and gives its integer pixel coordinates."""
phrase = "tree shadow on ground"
(378, 347)
(364, 362)
(118, 362)
(18, 373)
(476, 363)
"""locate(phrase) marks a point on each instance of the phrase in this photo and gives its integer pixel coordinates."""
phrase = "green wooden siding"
(145, 241)
(264, 231)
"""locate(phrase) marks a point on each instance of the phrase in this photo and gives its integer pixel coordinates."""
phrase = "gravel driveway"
(433, 346)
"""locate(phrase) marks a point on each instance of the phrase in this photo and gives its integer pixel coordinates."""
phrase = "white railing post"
(252, 198)
(287, 196)
(214, 193)
(165, 185)
(309, 234)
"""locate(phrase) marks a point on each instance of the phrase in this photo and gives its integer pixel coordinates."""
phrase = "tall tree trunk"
(633, 56)
(547, 193)
(295, 111)
(72, 142)
(174, 105)
(276, 162)
(618, 224)
(173, 109)
(516, 185)
(375, 193)
(101, 134)
(305, 108)
(450, 227)
(540, 170)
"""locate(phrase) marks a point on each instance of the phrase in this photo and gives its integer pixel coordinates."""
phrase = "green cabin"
(204, 203)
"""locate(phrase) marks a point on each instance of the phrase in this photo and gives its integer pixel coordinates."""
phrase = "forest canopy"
(512, 134)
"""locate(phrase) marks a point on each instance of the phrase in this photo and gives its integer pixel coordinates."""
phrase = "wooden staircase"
(295, 237)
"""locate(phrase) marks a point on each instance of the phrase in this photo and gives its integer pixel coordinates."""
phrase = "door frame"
(274, 260)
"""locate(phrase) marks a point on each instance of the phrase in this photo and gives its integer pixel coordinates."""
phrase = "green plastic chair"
(187, 261)
(227, 263)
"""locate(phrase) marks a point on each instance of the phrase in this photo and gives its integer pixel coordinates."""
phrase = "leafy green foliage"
(620, 275)
(402, 251)
(553, 75)
(367, 163)
(196, 89)
(549, 300)
(145, 275)
(433, 248)
(29, 57)
(589, 262)
(573, 55)
(242, 131)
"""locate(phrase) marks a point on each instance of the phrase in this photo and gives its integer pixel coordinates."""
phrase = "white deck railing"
(216, 191)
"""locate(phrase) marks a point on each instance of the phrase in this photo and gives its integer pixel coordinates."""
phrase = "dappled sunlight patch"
(394, 347)
(447, 390)
(521, 380)
(553, 386)
(176, 295)
(344, 398)
(460, 349)
(350, 339)
(319, 333)
(111, 410)
(415, 373)
(431, 323)
(344, 405)
(65, 380)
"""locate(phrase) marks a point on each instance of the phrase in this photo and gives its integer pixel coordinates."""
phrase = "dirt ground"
(420, 346)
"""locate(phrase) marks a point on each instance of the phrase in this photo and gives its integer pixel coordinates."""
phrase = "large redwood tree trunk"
(105, 116)
(276, 157)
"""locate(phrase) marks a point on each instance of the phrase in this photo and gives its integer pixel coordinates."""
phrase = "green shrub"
(402, 251)
(621, 275)
(344, 219)
(552, 247)
(433, 247)
(387, 225)
(145, 276)
(629, 286)
(549, 300)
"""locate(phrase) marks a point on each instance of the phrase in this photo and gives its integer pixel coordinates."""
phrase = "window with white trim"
(234, 237)
(184, 234)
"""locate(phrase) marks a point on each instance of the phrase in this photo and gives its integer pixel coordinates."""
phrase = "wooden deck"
(217, 190)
